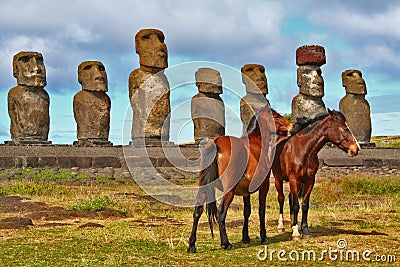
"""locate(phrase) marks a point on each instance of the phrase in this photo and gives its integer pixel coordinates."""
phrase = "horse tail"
(207, 176)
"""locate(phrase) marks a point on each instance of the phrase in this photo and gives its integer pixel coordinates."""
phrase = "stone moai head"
(254, 78)
(152, 51)
(208, 81)
(92, 76)
(310, 81)
(354, 83)
(310, 58)
(29, 69)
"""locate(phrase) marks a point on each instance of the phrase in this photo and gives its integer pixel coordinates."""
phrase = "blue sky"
(225, 35)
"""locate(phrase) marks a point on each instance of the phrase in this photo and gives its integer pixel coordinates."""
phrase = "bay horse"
(240, 164)
(296, 162)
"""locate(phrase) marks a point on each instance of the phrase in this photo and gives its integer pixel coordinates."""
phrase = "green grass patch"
(31, 188)
(386, 141)
(95, 203)
(371, 186)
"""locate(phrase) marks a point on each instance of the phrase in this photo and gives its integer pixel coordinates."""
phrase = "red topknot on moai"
(308, 103)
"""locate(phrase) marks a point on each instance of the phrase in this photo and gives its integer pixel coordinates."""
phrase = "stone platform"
(66, 156)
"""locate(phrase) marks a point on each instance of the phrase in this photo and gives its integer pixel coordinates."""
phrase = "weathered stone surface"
(102, 162)
(7, 162)
(208, 81)
(254, 78)
(207, 107)
(308, 103)
(29, 69)
(149, 88)
(353, 82)
(69, 162)
(249, 105)
(152, 51)
(92, 114)
(28, 103)
(92, 76)
(307, 106)
(149, 94)
(92, 105)
(357, 112)
(355, 107)
(310, 81)
(208, 115)
(310, 55)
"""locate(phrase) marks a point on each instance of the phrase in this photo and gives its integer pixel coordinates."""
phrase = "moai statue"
(253, 76)
(149, 90)
(207, 107)
(28, 102)
(308, 103)
(355, 107)
(92, 105)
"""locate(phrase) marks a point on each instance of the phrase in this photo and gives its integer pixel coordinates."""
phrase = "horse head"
(283, 126)
(340, 134)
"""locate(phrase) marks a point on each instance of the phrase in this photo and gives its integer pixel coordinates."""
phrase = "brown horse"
(296, 162)
(241, 164)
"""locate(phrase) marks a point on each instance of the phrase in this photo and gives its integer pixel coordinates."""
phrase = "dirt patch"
(40, 211)
(15, 223)
(157, 221)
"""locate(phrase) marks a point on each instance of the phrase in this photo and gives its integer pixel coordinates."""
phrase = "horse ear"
(329, 111)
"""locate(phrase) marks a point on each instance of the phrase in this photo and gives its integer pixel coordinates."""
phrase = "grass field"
(364, 213)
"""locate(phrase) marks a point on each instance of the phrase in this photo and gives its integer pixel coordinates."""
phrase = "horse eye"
(346, 129)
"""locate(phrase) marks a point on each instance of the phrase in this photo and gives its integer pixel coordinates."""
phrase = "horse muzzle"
(353, 150)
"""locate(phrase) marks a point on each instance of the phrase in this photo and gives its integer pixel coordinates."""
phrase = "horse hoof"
(191, 250)
(229, 246)
(307, 236)
(296, 238)
(281, 230)
(246, 240)
(265, 242)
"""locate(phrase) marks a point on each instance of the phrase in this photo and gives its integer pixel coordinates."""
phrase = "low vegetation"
(365, 212)
(386, 141)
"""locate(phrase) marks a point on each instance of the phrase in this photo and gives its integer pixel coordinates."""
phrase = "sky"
(225, 35)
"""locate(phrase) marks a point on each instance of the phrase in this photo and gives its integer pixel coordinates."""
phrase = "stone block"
(7, 162)
(310, 55)
(102, 162)
(373, 162)
(46, 162)
(69, 162)
(343, 162)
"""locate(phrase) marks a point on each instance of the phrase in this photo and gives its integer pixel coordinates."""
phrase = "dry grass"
(386, 141)
(156, 234)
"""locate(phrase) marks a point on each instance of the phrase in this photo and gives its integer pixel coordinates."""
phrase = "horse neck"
(317, 138)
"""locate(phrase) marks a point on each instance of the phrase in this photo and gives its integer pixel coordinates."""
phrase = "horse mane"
(253, 124)
(304, 122)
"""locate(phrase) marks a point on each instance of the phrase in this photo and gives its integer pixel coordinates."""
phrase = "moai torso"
(308, 103)
(149, 89)
(28, 103)
(255, 80)
(149, 94)
(355, 107)
(207, 107)
(92, 105)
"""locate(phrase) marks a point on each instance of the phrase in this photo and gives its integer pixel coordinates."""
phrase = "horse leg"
(246, 214)
(261, 210)
(198, 210)
(281, 200)
(308, 186)
(223, 209)
(295, 207)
